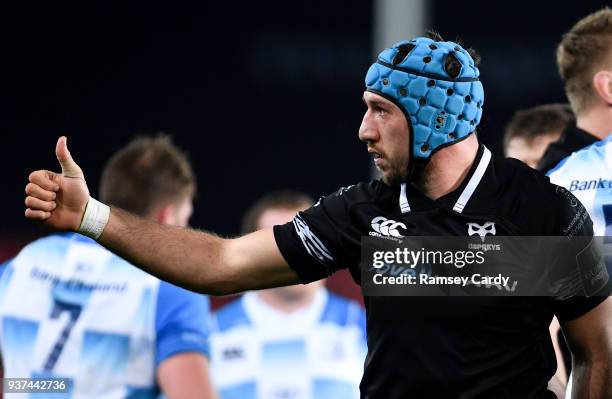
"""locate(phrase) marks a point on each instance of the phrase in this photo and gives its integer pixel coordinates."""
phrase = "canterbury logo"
(482, 231)
(387, 227)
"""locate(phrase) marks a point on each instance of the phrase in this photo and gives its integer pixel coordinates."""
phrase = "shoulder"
(59, 244)
(336, 207)
(230, 316)
(52, 249)
(582, 161)
(536, 205)
(63, 250)
(519, 180)
(355, 193)
(53, 243)
(510, 170)
(342, 311)
(338, 204)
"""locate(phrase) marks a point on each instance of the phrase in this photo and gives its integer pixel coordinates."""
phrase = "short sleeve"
(573, 220)
(181, 322)
(322, 239)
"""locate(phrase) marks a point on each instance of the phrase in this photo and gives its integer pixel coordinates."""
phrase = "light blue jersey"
(317, 352)
(69, 308)
(588, 175)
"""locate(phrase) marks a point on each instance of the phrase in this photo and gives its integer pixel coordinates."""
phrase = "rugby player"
(583, 59)
(424, 101)
(294, 342)
(531, 130)
(71, 309)
(587, 72)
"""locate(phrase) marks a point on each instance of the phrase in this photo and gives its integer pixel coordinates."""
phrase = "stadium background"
(263, 95)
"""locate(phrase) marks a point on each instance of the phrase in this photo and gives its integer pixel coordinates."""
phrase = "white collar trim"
(468, 191)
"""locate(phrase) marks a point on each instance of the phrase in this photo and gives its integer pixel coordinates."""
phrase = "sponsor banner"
(485, 265)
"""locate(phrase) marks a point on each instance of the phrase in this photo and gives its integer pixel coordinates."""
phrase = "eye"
(381, 111)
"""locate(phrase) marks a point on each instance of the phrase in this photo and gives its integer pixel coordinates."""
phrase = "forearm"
(590, 339)
(186, 376)
(561, 373)
(195, 260)
(184, 257)
(191, 259)
(591, 379)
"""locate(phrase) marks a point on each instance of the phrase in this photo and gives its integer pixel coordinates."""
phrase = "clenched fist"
(58, 199)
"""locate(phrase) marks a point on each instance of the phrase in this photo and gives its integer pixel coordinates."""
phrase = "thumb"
(69, 167)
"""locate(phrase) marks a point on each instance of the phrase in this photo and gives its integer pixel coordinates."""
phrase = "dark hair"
(537, 121)
(284, 199)
(433, 35)
(582, 52)
(148, 172)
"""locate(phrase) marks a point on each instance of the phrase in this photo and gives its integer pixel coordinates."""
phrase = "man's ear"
(602, 82)
(165, 214)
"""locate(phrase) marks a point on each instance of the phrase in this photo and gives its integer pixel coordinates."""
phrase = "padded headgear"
(442, 103)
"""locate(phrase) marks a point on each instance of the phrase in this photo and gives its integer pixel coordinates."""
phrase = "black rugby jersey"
(446, 347)
(572, 139)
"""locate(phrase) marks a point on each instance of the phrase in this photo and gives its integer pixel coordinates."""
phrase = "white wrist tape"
(95, 219)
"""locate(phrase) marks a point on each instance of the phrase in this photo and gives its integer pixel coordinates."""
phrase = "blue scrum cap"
(442, 103)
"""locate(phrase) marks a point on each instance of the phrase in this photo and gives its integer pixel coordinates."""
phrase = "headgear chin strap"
(436, 85)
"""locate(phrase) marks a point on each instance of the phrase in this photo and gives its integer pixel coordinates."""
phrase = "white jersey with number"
(71, 309)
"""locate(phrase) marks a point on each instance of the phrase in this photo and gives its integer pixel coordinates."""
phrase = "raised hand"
(58, 199)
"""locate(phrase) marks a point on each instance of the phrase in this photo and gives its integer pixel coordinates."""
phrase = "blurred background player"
(294, 342)
(585, 62)
(526, 137)
(531, 130)
(584, 58)
(69, 308)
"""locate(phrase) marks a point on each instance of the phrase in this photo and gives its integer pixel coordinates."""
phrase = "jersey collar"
(455, 200)
(268, 318)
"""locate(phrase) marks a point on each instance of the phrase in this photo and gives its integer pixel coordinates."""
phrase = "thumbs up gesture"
(58, 199)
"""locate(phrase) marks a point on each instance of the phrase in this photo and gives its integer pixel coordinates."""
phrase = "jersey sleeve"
(181, 322)
(590, 274)
(322, 239)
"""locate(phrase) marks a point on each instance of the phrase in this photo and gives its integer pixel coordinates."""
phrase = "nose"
(368, 131)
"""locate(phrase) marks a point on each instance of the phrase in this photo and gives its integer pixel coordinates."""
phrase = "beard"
(395, 176)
